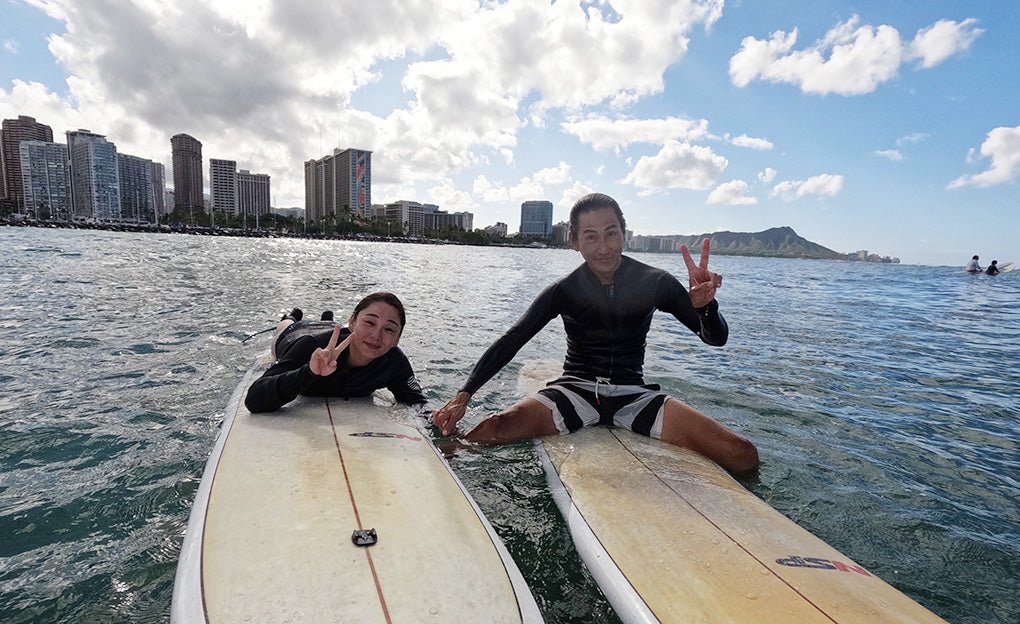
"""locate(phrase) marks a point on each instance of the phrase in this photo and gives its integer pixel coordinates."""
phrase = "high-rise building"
(442, 220)
(158, 175)
(189, 184)
(136, 193)
(536, 218)
(223, 185)
(46, 180)
(252, 193)
(409, 215)
(337, 183)
(95, 177)
(12, 133)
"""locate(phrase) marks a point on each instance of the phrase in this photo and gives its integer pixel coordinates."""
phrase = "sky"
(892, 127)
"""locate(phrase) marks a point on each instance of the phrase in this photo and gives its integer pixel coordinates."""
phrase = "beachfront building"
(663, 244)
(45, 180)
(12, 133)
(337, 185)
(438, 220)
(223, 185)
(408, 215)
(253, 193)
(189, 184)
(157, 172)
(561, 232)
(536, 218)
(137, 196)
(500, 229)
(95, 177)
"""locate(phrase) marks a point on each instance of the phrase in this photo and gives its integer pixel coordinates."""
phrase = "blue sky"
(887, 126)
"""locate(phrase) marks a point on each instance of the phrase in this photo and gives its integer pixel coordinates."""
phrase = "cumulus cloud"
(851, 59)
(677, 165)
(603, 133)
(527, 188)
(824, 184)
(751, 142)
(273, 83)
(11, 46)
(767, 175)
(944, 38)
(892, 154)
(1003, 148)
(733, 193)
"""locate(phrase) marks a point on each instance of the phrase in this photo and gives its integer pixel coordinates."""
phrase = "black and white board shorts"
(577, 403)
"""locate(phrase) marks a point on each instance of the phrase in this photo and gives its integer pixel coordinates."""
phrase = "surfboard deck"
(270, 537)
(671, 537)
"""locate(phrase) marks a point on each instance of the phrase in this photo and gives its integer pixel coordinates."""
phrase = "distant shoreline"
(149, 228)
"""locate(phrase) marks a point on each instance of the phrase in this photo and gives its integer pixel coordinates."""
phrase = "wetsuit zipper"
(607, 318)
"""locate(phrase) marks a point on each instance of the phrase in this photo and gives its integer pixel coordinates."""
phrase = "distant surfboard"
(671, 537)
(336, 511)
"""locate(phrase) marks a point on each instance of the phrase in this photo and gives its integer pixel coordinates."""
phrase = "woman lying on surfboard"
(319, 358)
(607, 305)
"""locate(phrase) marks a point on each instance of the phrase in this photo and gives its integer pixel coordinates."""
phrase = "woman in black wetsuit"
(319, 358)
(606, 305)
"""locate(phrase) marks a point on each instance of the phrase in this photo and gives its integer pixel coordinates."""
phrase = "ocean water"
(883, 398)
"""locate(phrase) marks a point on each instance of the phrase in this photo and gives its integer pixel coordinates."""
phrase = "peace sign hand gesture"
(323, 362)
(703, 282)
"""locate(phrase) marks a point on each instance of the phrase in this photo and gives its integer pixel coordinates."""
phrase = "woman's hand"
(323, 362)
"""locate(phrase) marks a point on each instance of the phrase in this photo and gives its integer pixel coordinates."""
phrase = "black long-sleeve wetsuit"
(606, 325)
(291, 375)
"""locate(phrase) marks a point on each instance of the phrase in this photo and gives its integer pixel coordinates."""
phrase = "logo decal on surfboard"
(820, 564)
(383, 434)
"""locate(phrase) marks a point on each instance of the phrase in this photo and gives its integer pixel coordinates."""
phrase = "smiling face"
(600, 241)
(375, 330)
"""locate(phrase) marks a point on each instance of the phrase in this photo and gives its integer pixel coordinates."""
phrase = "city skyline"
(875, 125)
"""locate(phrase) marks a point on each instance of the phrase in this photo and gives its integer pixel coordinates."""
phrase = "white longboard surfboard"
(671, 537)
(271, 536)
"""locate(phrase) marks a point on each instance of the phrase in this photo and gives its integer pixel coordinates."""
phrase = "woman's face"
(375, 330)
(600, 241)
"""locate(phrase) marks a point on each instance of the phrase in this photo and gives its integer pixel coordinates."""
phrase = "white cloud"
(677, 165)
(937, 42)
(604, 133)
(1003, 147)
(911, 139)
(733, 193)
(11, 46)
(447, 195)
(850, 60)
(767, 175)
(527, 188)
(751, 142)
(892, 154)
(574, 193)
(271, 83)
(824, 184)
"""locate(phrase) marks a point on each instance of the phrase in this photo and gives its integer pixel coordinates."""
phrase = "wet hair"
(383, 297)
(589, 203)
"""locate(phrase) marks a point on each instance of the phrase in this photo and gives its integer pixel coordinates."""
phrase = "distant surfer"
(607, 305)
(993, 268)
(973, 266)
(320, 358)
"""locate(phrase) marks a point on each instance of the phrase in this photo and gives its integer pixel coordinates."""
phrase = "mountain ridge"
(777, 242)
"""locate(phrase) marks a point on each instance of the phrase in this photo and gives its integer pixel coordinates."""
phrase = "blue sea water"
(883, 398)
